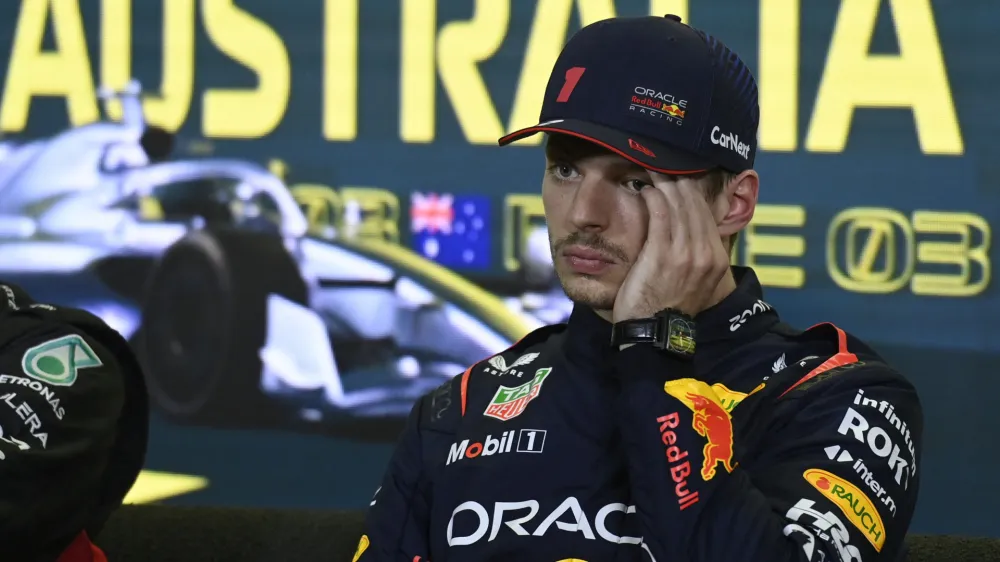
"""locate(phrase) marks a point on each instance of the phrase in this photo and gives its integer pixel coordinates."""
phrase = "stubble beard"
(588, 291)
(582, 289)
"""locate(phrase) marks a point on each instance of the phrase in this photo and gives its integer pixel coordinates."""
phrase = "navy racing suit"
(771, 445)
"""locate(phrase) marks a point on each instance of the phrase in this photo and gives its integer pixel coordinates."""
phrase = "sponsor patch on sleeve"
(892, 446)
(854, 504)
(808, 524)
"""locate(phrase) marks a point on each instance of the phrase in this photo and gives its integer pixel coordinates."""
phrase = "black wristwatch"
(669, 330)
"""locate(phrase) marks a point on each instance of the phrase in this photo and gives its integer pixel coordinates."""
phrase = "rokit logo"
(855, 425)
(886, 409)
(526, 440)
(730, 141)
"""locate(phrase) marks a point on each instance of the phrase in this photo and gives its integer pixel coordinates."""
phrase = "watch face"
(680, 335)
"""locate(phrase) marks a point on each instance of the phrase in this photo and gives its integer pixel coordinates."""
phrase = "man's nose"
(593, 204)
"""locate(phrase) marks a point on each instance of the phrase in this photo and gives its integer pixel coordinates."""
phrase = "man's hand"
(683, 258)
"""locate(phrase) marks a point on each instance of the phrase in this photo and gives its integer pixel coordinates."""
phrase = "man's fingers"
(659, 215)
(713, 258)
(702, 221)
(680, 230)
(696, 236)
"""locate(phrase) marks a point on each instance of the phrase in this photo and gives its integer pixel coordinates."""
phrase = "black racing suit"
(73, 428)
(773, 445)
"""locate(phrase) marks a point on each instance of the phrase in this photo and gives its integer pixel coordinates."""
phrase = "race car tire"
(205, 321)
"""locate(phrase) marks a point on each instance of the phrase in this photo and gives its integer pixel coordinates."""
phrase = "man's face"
(596, 218)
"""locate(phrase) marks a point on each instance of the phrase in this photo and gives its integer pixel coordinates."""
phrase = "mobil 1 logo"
(510, 441)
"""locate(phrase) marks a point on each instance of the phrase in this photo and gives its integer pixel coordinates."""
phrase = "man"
(73, 428)
(674, 417)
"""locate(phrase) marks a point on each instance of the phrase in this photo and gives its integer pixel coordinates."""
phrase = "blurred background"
(297, 213)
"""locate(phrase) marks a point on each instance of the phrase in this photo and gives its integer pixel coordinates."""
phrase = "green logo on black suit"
(57, 361)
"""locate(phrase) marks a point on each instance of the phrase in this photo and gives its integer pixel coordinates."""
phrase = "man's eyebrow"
(556, 153)
(570, 150)
(627, 166)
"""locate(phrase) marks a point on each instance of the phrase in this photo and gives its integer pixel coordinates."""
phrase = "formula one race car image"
(240, 315)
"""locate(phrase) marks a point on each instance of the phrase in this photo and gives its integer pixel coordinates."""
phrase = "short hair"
(719, 178)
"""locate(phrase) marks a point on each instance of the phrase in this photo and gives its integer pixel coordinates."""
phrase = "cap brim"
(649, 154)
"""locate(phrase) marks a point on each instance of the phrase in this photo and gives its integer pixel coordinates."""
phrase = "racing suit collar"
(741, 316)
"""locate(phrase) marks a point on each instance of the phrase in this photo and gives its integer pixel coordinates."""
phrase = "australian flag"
(453, 230)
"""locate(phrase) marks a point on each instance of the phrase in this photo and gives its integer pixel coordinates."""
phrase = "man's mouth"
(581, 253)
(587, 261)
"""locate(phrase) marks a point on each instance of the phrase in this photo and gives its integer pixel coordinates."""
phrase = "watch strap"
(636, 330)
(669, 330)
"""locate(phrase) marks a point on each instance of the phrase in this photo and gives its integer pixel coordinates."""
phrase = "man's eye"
(636, 185)
(562, 171)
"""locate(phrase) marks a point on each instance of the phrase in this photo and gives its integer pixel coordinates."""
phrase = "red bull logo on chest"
(711, 421)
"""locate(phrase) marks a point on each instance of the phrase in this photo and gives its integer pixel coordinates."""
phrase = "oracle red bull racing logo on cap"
(658, 105)
(711, 421)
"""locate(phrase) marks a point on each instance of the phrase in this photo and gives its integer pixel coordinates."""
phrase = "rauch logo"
(859, 510)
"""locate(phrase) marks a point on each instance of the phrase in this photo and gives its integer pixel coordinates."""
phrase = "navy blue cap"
(662, 94)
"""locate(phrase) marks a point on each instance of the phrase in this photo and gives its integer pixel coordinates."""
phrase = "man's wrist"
(670, 331)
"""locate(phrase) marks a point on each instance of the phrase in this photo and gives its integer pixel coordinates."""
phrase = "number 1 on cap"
(573, 76)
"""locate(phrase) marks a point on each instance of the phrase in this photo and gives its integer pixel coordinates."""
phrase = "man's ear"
(738, 202)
